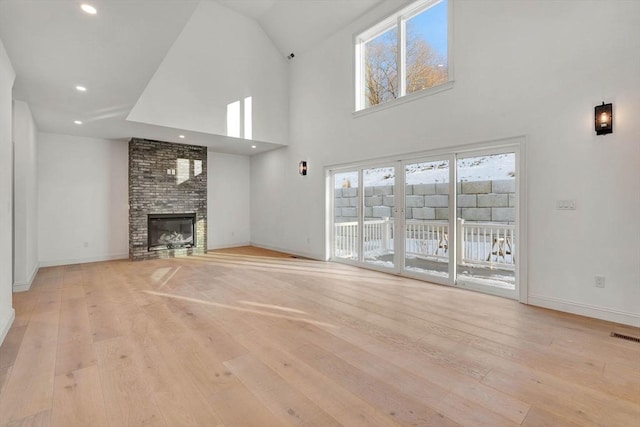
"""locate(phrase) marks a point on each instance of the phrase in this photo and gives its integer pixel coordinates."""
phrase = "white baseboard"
(289, 251)
(23, 287)
(603, 313)
(55, 263)
(231, 245)
(5, 324)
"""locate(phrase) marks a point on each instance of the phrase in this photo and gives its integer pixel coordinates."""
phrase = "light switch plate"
(566, 205)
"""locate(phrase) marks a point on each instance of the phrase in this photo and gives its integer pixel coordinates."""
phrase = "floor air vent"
(625, 337)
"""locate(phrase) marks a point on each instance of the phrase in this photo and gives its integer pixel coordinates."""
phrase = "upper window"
(405, 53)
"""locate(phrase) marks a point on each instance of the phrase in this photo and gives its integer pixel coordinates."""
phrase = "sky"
(432, 26)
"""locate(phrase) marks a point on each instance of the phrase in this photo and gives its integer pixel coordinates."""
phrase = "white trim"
(479, 285)
(329, 212)
(452, 154)
(407, 12)
(603, 313)
(309, 255)
(23, 287)
(397, 19)
(6, 325)
(498, 142)
(231, 245)
(523, 222)
(55, 263)
(401, 49)
(404, 99)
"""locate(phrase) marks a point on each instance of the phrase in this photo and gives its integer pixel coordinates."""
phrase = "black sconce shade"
(604, 119)
(302, 168)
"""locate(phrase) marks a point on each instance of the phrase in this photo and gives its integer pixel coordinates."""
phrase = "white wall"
(83, 199)
(219, 58)
(25, 197)
(521, 68)
(7, 77)
(228, 200)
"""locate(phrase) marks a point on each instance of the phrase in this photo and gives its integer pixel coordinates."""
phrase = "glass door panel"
(379, 212)
(486, 225)
(450, 218)
(345, 216)
(427, 248)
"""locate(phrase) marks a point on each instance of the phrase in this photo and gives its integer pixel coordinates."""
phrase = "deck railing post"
(386, 233)
(459, 240)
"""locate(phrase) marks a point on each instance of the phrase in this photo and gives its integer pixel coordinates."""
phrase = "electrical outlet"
(566, 205)
(599, 281)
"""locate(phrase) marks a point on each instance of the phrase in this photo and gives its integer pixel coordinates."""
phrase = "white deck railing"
(346, 240)
(427, 239)
(487, 244)
(480, 244)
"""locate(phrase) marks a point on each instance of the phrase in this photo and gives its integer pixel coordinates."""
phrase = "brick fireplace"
(166, 181)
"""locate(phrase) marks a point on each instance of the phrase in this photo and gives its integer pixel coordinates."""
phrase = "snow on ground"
(499, 166)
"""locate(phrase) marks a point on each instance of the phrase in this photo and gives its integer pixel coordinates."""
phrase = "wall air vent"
(625, 337)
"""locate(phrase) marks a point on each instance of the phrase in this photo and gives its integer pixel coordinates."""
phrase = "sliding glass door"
(346, 213)
(427, 218)
(487, 221)
(379, 216)
(451, 219)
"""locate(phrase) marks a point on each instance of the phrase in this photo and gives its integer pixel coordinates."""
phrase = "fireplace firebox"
(171, 231)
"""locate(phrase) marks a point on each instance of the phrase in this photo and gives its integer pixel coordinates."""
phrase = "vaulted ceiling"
(54, 46)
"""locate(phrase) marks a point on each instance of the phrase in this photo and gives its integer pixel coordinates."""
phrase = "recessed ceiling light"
(81, 88)
(88, 9)
(78, 122)
(181, 136)
(253, 146)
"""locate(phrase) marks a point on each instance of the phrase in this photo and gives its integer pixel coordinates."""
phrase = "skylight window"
(404, 54)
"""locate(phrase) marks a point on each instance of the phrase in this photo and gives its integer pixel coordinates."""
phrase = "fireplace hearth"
(171, 231)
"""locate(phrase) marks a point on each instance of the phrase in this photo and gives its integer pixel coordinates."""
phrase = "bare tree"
(381, 62)
(425, 67)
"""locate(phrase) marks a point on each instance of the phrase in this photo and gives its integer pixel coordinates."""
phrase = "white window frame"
(516, 144)
(398, 19)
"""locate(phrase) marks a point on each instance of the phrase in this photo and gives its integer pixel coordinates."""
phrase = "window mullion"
(401, 57)
(360, 75)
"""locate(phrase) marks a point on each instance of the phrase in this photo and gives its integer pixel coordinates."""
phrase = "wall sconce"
(604, 118)
(302, 168)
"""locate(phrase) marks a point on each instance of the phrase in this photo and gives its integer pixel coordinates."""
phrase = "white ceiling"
(54, 46)
(296, 25)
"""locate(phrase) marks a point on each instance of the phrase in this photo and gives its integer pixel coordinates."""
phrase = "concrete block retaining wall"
(482, 201)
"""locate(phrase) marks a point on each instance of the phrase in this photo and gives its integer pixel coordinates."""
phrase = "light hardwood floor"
(234, 339)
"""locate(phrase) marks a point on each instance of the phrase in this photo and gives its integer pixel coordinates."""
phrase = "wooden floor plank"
(29, 387)
(127, 395)
(78, 399)
(41, 419)
(347, 408)
(540, 418)
(276, 394)
(237, 406)
(253, 338)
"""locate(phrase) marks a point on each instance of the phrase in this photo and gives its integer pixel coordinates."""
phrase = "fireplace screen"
(169, 231)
